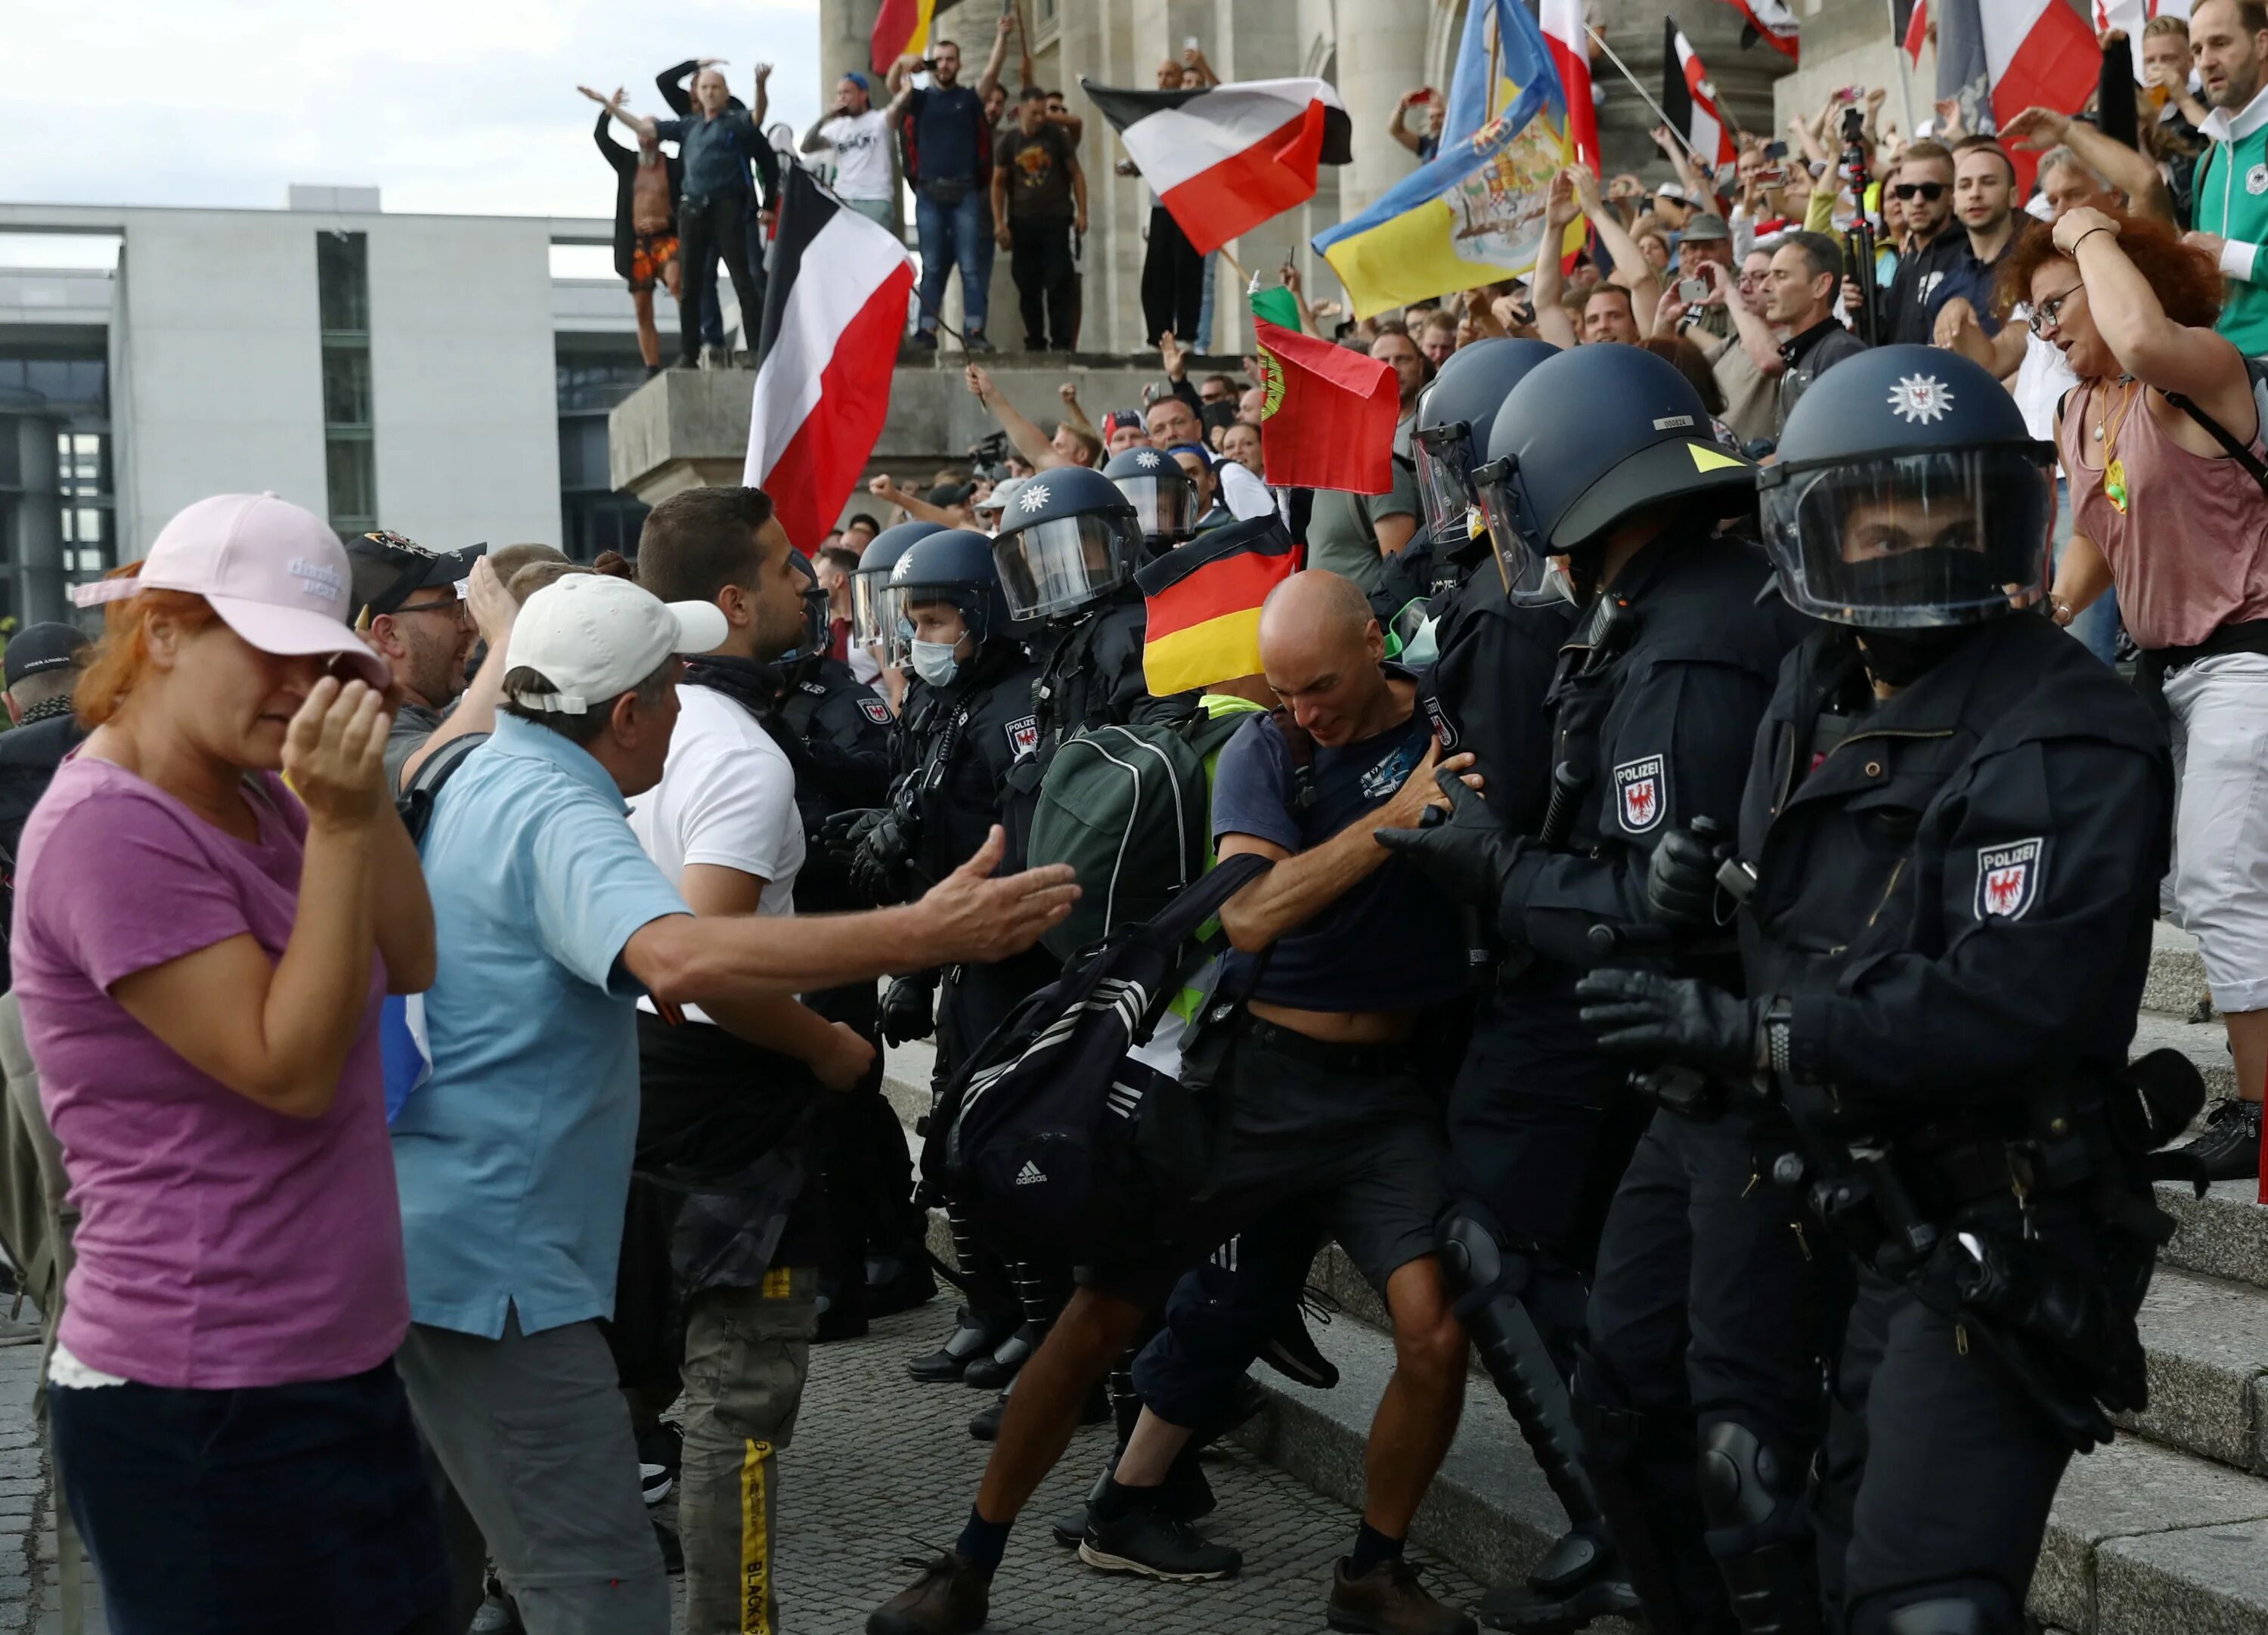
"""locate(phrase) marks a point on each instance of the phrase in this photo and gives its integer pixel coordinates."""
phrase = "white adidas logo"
(1030, 1175)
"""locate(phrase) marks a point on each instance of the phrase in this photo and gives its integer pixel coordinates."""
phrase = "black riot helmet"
(1067, 539)
(953, 565)
(814, 610)
(1588, 440)
(1455, 415)
(1165, 500)
(874, 613)
(1909, 495)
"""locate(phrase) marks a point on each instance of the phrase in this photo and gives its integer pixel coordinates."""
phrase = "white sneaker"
(654, 1481)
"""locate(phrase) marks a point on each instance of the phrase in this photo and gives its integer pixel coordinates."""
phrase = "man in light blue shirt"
(514, 1159)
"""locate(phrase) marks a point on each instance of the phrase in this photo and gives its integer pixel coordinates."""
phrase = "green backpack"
(1130, 809)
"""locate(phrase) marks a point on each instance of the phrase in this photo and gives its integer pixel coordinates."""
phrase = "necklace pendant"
(2114, 485)
(2098, 434)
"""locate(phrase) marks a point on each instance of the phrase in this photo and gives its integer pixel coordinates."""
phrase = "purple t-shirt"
(220, 1244)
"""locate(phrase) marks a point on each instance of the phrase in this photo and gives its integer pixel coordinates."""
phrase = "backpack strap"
(2251, 463)
(1196, 902)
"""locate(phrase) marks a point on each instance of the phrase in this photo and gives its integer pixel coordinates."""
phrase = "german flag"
(1203, 602)
(900, 29)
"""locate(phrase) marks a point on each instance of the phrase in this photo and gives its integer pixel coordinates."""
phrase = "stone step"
(2177, 981)
(2142, 1539)
(2222, 1235)
(2204, 1042)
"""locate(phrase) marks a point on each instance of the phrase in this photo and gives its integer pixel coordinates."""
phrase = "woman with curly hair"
(2162, 444)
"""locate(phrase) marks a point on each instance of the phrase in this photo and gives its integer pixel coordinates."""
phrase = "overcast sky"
(452, 106)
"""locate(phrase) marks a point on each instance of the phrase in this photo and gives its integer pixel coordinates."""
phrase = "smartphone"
(1693, 291)
(1775, 150)
(1849, 93)
(1423, 94)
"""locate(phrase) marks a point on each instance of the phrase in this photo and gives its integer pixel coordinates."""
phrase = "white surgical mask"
(935, 663)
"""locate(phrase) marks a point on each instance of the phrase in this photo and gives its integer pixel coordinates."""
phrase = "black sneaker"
(1184, 1496)
(923, 341)
(1290, 1349)
(660, 1451)
(974, 341)
(970, 1339)
(2229, 1149)
(1147, 1541)
(990, 1373)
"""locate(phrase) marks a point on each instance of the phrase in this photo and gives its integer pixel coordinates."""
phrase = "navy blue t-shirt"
(1392, 942)
(946, 123)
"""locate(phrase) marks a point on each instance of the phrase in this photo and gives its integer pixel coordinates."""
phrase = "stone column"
(39, 523)
(845, 28)
(1382, 54)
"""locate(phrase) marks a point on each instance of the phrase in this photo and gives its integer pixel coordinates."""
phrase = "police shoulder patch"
(2007, 880)
(1641, 793)
(1023, 735)
(875, 711)
(814, 688)
(1444, 728)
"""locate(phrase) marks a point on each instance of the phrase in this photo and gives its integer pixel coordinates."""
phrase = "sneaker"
(1147, 1541)
(1389, 1600)
(1185, 1495)
(712, 358)
(495, 1617)
(975, 341)
(985, 1423)
(660, 1450)
(969, 1340)
(1290, 1349)
(2229, 1149)
(655, 1484)
(923, 341)
(950, 1598)
(990, 1373)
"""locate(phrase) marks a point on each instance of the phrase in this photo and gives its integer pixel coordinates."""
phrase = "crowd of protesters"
(397, 935)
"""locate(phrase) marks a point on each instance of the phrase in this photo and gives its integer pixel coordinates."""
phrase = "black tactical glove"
(841, 834)
(1670, 1020)
(909, 1010)
(1681, 876)
(1464, 850)
(884, 850)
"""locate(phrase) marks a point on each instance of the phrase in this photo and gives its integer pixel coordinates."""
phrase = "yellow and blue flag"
(1474, 213)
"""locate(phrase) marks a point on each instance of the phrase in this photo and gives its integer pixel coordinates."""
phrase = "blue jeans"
(2097, 628)
(954, 234)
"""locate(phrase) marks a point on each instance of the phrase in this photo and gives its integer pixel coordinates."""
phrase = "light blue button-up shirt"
(514, 1159)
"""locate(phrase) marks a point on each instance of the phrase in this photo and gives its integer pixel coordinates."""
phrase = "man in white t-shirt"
(733, 1118)
(856, 136)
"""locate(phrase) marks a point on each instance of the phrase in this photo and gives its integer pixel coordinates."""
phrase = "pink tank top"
(2190, 553)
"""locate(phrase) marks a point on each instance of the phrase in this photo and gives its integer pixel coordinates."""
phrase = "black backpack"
(1051, 1133)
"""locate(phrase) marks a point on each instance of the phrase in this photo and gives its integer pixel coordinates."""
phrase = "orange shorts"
(650, 254)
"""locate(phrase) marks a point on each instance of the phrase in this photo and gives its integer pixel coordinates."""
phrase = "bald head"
(1321, 649)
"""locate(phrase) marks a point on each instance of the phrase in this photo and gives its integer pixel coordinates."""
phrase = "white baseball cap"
(1003, 491)
(594, 637)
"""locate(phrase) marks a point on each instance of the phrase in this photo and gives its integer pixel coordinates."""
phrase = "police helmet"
(1588, 440)
(1070, 539)
(1910, 495)
(953, 565)
(874, 612)
(815, 609)
(1454, 415)
(1165, 500)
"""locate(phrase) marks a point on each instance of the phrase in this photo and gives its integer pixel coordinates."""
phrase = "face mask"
(934, 662)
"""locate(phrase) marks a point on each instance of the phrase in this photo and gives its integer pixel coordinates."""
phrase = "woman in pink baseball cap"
(201, 949)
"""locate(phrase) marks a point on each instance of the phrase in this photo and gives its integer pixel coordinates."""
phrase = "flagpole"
(1898, 49)
(1708, 166)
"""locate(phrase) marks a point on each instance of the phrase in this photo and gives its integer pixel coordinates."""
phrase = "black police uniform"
(1955, 891)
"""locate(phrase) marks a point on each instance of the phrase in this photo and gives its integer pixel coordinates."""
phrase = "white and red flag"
(1690, 100)
(834, 313)
(1773, 22)
(1998, 57)
(1569, 40)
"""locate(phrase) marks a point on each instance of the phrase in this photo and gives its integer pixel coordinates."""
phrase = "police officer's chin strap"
(1901, 658)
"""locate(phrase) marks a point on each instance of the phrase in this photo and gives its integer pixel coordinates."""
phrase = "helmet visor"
(1528, 578)
(1445, 480)
(1163, 506)
(1909, 542)
(1054, 567)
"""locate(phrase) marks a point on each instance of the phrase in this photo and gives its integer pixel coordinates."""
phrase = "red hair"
(2188, 281)
(122, 656)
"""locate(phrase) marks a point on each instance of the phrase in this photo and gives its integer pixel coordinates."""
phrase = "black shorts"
(1347, 1130)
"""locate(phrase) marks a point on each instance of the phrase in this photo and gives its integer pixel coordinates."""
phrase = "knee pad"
(1750, 1483)
(1475, 1263)
(1969, 1608)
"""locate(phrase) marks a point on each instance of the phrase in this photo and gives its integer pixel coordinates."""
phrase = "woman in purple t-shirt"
(200, 953)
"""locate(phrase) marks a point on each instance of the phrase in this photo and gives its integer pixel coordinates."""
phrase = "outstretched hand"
(972, 916)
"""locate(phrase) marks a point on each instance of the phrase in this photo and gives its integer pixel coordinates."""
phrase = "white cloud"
(452, 106)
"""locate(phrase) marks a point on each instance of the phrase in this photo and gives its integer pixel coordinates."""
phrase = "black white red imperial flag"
(1771, 21)
(834, 310)
(1690, 100)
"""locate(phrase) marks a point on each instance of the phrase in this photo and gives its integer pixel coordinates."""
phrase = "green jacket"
(2232, 200)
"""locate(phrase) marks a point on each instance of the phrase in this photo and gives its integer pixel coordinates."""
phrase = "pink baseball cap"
(274, 571)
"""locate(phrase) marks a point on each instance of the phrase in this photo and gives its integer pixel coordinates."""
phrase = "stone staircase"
(2166, 1531)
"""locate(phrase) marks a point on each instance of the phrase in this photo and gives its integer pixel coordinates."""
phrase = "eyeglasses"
(452, 606)
(2050, 311)
(1929, 191)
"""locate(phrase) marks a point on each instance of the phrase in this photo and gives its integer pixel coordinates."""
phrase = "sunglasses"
(1929, 191)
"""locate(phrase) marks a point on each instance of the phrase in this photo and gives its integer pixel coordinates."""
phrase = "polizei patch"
(1023, 736)
(2007, 880)
(1641, 791)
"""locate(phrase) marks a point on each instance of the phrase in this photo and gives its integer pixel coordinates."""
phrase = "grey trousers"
(535, 1437)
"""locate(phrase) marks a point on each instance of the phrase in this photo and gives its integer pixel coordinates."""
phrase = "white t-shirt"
(727, 797)
(861, 145)
(1244, 494)
(2040, 382)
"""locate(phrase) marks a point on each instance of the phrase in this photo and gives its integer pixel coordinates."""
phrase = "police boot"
(1641, 1467)
(973, 1336)
(1752, 1493)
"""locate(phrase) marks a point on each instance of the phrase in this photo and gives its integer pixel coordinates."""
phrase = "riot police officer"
(1704, 1298)
(1955, 825)
(1165, 500)
(875, 623)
